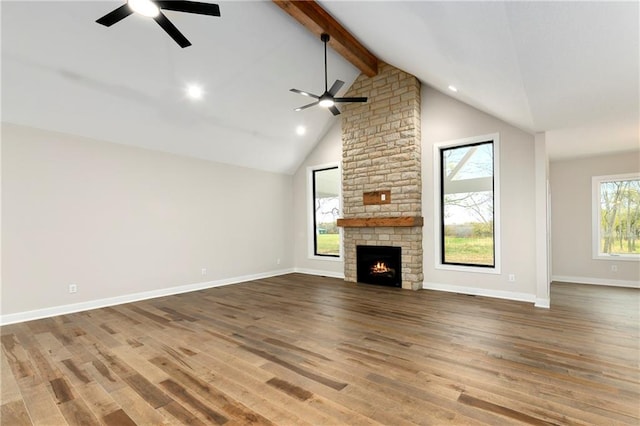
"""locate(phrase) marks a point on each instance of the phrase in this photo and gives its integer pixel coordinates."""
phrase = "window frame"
(596, 182)
(438, 205)
(311, 219)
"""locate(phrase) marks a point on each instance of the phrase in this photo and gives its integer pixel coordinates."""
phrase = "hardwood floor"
(298, 349)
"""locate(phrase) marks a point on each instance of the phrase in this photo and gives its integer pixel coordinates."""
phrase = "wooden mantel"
(372, 222)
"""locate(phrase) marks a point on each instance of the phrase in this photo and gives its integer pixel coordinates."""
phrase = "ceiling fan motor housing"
(327, 99)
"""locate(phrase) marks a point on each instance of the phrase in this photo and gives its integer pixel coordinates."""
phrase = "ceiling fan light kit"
(153, 9)
(326, 102)
(328, 98)
(144, 7)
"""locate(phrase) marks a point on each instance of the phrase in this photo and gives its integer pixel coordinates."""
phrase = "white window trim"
(310, 213)
(595, 218)
(496, 269)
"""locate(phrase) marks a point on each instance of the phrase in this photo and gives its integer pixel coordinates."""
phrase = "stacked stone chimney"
(381, 170)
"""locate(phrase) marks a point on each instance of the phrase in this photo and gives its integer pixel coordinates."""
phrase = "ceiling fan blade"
(334, 110)
(311, 95)
(349, 99)
(171, 29)
(307, 106)
(115, 15)
(336, 86)
(196, 7)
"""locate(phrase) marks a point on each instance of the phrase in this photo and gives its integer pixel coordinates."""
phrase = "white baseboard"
(542, 303)
(320, 273)
(128, 298)
(498, 294)
(596, 281)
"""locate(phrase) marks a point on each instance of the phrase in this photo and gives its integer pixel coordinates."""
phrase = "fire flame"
(380, 268)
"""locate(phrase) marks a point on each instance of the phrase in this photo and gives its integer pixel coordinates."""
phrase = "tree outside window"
(326, 208)
(617, 216)
(467, 205)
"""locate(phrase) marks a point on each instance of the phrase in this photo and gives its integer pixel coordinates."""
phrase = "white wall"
(328, 150)
(120, 221)
(571, 211)
(446, 119)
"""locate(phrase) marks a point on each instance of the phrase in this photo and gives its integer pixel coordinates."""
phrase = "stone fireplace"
(381, 171)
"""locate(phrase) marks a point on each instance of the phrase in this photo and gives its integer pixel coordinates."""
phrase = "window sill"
(468, 269)
(617, 257)
(327, 258)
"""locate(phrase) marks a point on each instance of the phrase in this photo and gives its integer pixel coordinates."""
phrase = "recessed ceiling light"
(194, 91)
(453, 88)
(301, 130)
(144, 8)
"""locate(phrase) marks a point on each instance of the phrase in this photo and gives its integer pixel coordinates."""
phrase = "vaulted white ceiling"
(570, 69)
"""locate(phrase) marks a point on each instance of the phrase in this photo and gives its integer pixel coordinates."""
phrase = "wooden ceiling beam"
(310, 14)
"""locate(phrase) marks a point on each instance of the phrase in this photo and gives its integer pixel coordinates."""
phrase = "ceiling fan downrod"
(325, 39)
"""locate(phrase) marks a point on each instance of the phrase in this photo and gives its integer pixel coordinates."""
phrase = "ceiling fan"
(327, 99)
(151, 9)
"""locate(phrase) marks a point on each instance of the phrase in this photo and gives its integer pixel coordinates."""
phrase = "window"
(325, 187)
(468, 204)
(616, 217)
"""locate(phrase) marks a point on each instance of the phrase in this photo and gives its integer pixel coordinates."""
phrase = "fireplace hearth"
(379, 265)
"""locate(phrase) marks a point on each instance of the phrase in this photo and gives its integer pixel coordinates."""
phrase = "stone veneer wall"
(381, 151)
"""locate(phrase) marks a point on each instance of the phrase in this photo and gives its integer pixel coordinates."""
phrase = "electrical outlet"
(512, 278)
(614, 268)
(73, 288)
(204, 271)
(277, 261)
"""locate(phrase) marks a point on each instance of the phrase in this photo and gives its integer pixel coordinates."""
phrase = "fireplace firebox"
(380, 265)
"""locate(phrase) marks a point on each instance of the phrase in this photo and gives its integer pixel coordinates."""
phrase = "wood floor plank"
(41, 406)
(501, 410)
(16, 356)
(97, 399)
(46, 368)
(189, 399)
(139, 364)
(14, 413)
(249, 386)
(147, 390)
(118, 418)
(138, 409)
(216, 398)
(102, 375)
(61, 390)
(290, 389)
(74, 372)
(56, 349)
(370, 405)
(76, 412)
(9, 391)
(300, 349)
(180, 414)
